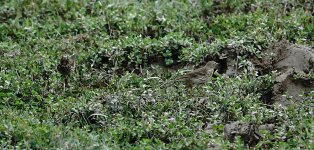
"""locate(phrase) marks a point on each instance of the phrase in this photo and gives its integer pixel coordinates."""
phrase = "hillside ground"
(122, 92)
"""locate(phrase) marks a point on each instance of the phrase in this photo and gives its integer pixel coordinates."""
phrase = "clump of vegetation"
(125, 54)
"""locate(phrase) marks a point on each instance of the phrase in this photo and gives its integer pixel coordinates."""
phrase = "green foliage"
(118, 96)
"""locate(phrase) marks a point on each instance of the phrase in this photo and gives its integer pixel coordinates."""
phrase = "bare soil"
(288, 60)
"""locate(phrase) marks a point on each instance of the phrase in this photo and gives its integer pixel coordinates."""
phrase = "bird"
(200, 75)
(65, 67)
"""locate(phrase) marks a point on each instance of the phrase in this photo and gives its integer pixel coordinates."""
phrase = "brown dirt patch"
(289, 60)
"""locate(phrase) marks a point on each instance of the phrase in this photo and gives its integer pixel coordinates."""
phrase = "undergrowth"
(126, 53)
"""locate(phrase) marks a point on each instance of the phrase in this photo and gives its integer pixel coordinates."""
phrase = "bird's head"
(211, 64)
(64, 59)
(67, 59)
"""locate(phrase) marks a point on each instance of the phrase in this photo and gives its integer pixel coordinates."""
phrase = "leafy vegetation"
(126, 53)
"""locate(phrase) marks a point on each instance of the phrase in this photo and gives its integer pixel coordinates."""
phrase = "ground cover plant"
(120, 91)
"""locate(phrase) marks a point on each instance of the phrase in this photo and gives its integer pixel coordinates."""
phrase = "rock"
(249, 133)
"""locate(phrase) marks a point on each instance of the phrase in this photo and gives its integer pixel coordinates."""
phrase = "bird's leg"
(190, 90)
(65, 83)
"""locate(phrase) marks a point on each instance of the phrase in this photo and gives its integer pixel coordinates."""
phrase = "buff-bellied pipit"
(200, 75)
(65, 67)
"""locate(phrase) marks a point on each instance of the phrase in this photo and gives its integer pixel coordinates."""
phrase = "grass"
(125, 52)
